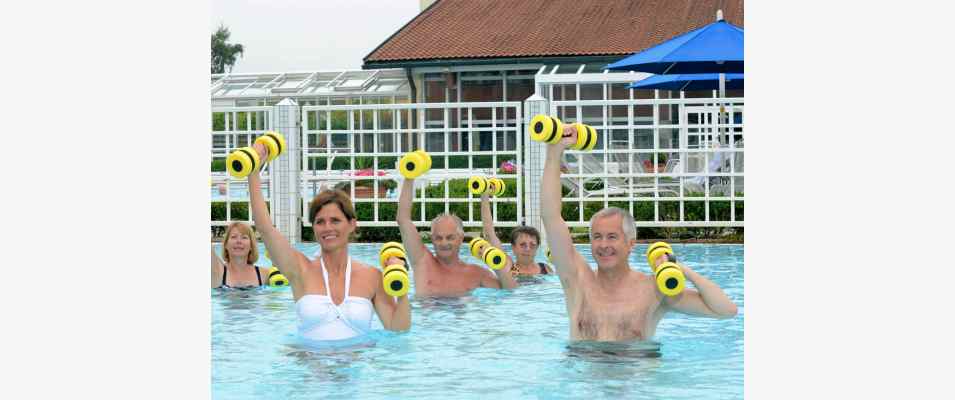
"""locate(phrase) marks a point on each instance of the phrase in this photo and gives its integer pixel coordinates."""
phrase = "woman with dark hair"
(335, 296)
(525, 241)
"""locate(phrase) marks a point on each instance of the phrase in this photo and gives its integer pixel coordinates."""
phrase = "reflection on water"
(613, 352)
(624, 369)
(326, 362)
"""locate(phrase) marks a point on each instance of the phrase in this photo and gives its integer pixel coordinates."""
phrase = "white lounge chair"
(613, 186)
(719, 161)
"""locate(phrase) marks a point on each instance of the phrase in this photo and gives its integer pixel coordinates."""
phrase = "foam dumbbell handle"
(656, 250)
(274, 144)
(475, 246)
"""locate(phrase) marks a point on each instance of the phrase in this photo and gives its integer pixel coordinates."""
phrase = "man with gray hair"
(443, 273)
(613, 302)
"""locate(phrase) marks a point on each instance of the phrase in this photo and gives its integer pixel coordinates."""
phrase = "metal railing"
(676, 156)
(670, 161)
(356, 147)
(232, 128)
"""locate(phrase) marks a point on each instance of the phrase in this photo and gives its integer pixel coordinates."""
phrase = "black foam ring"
(591, 136)
(278, 143)
(553, 130)
(672, 283)
(660, 271)
(392, 246)
(396, 285)
(251, 158)
(396, 270)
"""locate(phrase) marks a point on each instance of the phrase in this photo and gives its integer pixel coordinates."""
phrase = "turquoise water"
(235, 192)
(493, 343)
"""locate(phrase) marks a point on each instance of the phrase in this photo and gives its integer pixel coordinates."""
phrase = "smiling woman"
(335, 296)
(236, 268)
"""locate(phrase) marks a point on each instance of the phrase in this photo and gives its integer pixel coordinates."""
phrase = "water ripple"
(511, 344)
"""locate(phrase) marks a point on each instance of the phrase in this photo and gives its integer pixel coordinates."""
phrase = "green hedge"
(240, 210)
(507, 211)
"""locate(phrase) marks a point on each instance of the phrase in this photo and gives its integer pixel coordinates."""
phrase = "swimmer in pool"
(613, 302)
(525, 240)
(443, 273)
(335, 296)
(236, 268)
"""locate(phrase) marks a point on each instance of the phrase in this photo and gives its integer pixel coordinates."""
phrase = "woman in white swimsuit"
(236, 268)
(335, 296)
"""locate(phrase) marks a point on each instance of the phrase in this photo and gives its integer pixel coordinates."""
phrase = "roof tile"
(452, 29)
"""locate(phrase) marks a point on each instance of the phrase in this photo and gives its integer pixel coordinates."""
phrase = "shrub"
(218, 165)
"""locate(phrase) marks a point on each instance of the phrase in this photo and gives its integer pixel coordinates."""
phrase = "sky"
(309, 35)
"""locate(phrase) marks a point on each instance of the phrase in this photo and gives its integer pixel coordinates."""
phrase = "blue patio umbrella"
(714, 48)
(689, 82)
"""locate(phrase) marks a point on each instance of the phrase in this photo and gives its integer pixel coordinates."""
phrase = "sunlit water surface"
(502, 344)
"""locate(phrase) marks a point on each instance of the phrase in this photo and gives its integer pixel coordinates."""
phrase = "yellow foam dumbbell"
(669, 277)
(414, 164)
(494, 257)
(547, 129)
(478, 185)
(276, 278)
(242, 162)
(390, 249)
(475, 246)
(544, 128)
(394, 277)
(246, 160)
(586, 137)
(274, 144)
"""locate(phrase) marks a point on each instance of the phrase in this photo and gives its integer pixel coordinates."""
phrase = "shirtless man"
(615, 302)
(443, 273)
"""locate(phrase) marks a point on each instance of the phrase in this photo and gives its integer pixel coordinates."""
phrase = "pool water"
(493, 343)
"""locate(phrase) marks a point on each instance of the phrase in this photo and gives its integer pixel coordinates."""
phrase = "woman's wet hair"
(327, 197)
(245, 229)
(525, 230)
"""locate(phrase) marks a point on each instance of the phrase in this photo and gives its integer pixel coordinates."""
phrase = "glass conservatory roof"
(318, 83)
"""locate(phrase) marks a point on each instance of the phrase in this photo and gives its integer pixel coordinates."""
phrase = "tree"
(223, 53)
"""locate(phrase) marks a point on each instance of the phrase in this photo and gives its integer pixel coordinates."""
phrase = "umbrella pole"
(722, 108)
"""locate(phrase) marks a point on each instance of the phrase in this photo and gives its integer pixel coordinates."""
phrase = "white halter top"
(321, 319)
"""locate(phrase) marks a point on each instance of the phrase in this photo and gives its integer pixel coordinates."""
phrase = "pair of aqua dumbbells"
(668, 275)
(245, 160)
